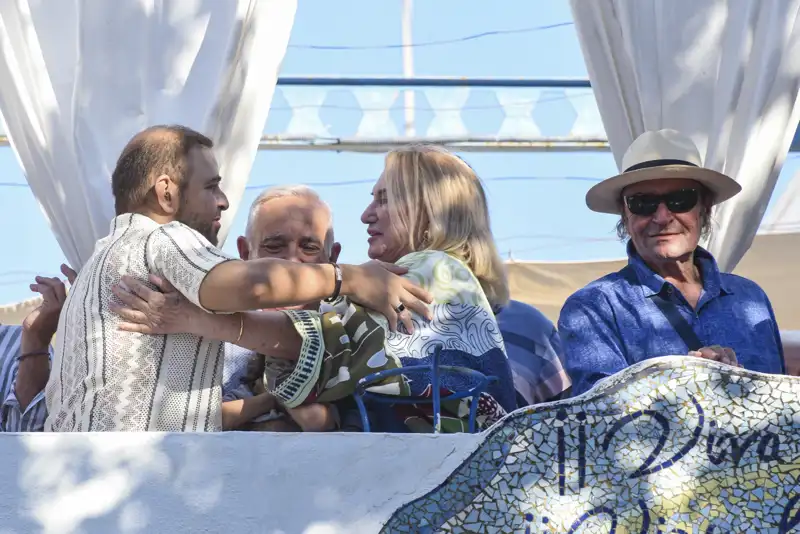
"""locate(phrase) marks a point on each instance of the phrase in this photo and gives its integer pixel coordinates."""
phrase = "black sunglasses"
(679, 201)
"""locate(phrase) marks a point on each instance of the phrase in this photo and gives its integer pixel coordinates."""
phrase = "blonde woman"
(429, 215)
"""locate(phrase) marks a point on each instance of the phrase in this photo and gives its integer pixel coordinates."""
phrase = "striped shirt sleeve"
(12, 418)
(9, 347)
(31, 419)
(184, 257)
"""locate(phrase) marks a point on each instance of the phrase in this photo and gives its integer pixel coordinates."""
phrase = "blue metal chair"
(481, 382)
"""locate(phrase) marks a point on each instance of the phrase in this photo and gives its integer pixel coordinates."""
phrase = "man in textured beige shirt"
(168, 200)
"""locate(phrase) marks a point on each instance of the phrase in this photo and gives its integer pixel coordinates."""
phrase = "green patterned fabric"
(344, 343)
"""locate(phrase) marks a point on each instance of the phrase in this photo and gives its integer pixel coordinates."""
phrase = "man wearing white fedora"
(671, 298)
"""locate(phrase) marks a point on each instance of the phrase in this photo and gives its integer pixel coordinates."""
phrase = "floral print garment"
(344, 343)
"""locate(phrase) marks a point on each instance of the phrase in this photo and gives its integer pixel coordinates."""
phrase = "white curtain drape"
(725, 72)
(78, 78)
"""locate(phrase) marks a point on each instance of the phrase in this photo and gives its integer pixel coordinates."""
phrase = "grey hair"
(283, 191)
(705, 217)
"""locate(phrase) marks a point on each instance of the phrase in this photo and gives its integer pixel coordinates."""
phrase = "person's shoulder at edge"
(531, 314)
(522, 319)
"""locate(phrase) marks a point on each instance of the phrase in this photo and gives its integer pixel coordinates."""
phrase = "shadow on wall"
(110, 483)
(237, 481)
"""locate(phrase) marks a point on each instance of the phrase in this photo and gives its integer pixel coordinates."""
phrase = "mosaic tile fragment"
(668, 445)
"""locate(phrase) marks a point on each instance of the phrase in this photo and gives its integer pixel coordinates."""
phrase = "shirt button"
(669, 290)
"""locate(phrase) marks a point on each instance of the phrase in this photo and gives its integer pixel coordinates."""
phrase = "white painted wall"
(227, 482)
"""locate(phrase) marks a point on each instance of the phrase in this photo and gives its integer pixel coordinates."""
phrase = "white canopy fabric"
(725, 72)
(785, 214)
(78, 78)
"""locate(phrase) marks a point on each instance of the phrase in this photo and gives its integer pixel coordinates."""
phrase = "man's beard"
(206, 229)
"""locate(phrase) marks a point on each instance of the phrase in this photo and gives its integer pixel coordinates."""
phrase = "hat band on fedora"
(658, 163)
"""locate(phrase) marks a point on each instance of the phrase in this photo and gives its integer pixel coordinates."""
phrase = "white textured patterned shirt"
(104, 379)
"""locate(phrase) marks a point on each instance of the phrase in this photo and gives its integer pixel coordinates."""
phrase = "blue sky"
(537, 213)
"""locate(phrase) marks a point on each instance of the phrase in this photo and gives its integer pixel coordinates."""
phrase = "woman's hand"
(156, 312)
(378, 286)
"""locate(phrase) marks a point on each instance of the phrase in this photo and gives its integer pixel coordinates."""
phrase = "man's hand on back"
(161, 311)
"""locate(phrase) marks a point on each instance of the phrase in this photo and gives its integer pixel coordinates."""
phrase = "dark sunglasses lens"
(643, 204)
(681, 201)
(677, 202)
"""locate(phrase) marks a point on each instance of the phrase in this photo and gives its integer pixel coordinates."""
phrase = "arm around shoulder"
(218, 282)
(265, 283)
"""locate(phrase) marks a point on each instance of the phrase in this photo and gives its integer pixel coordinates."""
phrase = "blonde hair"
(440, 203)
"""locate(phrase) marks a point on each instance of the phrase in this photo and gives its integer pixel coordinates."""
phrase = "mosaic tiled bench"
(670, 445)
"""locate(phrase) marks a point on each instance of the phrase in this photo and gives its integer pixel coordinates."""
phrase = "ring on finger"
(400, 307)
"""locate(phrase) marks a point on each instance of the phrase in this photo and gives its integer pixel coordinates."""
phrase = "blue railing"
(376, 113)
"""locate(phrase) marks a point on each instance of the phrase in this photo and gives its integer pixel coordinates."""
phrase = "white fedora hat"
(656, 156)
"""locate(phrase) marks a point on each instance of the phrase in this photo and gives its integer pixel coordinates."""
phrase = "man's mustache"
(666, 230)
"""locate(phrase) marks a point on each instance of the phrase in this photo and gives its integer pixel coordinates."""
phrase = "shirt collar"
(120, 222)
(653, 283)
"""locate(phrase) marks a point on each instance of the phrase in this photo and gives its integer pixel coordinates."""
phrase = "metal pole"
(408, 68)
(432, 81)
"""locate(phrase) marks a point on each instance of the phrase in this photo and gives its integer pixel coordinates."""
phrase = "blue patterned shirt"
(534, 353)
(12, 419)
(613, 323)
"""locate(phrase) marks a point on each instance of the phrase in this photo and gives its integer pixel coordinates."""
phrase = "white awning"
(78, 78)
